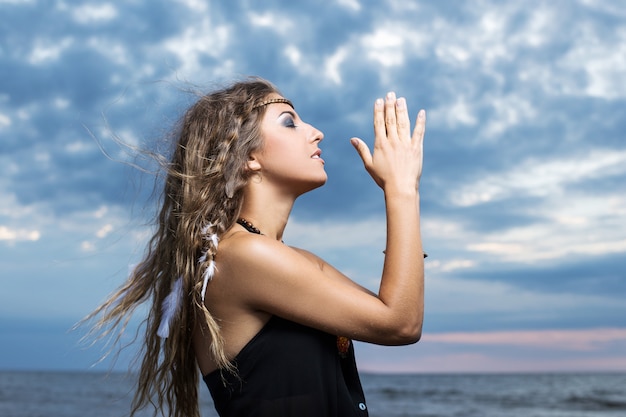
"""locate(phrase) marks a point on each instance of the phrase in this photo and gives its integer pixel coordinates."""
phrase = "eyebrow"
(289, 112)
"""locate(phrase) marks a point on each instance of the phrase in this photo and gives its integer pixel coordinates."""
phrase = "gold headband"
(271, 101)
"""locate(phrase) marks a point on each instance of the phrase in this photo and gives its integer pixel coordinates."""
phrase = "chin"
(314, 184)
(322, 181)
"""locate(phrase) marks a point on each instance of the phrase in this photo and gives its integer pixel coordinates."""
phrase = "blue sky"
(523, 195)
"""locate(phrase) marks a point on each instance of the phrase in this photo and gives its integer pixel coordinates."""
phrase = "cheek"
(275, 150)
(275, 156)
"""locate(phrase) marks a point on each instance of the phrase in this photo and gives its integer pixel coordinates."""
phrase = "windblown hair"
(203, 193)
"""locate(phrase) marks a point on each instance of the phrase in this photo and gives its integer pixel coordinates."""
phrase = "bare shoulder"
(314, 259)
(242, 250)
(247, 261)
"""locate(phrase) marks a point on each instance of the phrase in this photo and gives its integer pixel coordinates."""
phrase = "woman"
(268, 326)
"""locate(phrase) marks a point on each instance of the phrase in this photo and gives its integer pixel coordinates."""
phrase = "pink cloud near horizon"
(557, 350)
(577, 339)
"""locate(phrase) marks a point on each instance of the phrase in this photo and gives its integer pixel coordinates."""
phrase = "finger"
(420, 127)
(390, 116)
(402, 120)
(363, 150)
(380, 131)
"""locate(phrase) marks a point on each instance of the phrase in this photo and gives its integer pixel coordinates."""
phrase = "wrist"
(401, 192)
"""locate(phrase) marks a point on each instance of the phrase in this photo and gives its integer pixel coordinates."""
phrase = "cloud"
(13, 235)
(492, 362)
(5, 121)
(600, 59)
(272, 20)
(198, 6)
(565, 212)
(586, 228)
(578, 340)
(341, 234)
(199, 43)
(553, 350)
(540, 178)
(45, 51)
(89, 14)
(353, 5)
(510, 301)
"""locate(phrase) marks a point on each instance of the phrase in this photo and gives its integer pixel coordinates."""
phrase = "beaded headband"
(271, 101)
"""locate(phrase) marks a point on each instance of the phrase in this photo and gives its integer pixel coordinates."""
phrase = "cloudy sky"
(523, 195)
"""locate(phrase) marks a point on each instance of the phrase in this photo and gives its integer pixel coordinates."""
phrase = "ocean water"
(74, 394)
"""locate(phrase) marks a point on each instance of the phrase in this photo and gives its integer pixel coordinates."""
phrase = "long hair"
(202, 195)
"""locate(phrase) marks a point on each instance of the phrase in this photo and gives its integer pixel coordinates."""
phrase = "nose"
(316, 134)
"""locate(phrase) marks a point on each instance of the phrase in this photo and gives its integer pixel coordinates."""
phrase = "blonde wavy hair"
(204, 179)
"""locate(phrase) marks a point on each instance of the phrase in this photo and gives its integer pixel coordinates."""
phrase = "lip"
(317, 155)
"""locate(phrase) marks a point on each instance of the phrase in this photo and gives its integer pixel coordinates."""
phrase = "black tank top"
(292, 370)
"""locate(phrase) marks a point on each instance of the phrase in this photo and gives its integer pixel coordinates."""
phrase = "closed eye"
(288, 120)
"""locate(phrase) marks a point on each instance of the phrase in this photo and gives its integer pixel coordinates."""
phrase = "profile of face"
(290, 158)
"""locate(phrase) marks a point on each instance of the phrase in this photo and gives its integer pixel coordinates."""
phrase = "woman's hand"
(396, 164)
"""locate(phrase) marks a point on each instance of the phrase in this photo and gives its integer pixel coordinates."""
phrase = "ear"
(253, 164)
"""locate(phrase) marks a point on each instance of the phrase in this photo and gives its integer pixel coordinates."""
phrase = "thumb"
(363, 150)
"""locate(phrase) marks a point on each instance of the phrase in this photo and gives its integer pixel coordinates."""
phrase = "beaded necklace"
(248, 226)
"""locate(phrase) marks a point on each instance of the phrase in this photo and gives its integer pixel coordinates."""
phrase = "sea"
(92, 394)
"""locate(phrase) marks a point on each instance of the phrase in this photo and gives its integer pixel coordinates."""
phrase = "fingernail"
(401, 103)
(379, 101)
(391, 95)
(421, 114)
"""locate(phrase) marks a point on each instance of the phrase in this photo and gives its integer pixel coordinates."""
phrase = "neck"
(268, 212)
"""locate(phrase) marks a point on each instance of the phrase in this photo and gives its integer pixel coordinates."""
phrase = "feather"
(170, 307)
(205, 230)
(210, 269)
(207, 276)
(213, 238)
(209, 236)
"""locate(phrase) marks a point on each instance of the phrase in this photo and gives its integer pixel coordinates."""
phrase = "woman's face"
(290, 158)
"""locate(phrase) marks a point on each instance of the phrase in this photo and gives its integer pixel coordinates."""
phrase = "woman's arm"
(331, 271)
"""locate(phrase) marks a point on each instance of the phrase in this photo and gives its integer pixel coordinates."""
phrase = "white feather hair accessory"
(210, 269)
(171, 306)
(171, 303)
(207, 276)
